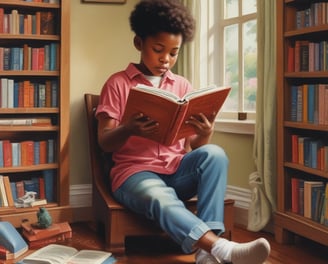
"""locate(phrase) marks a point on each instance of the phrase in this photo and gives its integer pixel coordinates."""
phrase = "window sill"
(246, 127)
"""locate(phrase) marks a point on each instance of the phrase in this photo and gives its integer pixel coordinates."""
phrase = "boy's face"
(159, 53)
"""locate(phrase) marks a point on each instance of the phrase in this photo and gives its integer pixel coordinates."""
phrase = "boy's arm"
(112, 136)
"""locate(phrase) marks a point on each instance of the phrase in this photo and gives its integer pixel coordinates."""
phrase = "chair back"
(100, 161)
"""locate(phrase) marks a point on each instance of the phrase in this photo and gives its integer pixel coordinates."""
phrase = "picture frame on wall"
(105, 1)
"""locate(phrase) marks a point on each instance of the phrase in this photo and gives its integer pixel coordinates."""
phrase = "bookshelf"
(302, 138)
(34, 74)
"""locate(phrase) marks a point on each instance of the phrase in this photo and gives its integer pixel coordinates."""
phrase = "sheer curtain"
(263, 181)
(188, 64)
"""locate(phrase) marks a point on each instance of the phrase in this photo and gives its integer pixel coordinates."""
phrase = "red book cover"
(295, 195)
(7, 153)
(42, 194)
(20, 189)
(21, 94)
(291, 59)
(37, 238)
(48, 93)
(31, 95)
(295, 148)
(27, 153)
(1, 19)
(297, 56)
(43, 152)
(41, 59)
(26, 93)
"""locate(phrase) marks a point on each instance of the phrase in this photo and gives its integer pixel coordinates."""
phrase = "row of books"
(309, 152)
(44, 58)
(27, 153)
(310, 199)
(316, 14)
(39, 23)
(307, 56)
(16, 94)
(309, 103)
(42, 185)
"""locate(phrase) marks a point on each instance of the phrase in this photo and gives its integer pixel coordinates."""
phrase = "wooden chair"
(116, 221)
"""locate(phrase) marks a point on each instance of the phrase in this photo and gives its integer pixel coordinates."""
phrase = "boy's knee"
(216, 152)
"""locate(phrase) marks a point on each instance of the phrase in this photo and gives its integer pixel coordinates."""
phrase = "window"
(232, 32)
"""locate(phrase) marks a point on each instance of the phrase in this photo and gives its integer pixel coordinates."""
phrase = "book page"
(159, 92)
(89, 256)
(52, 254)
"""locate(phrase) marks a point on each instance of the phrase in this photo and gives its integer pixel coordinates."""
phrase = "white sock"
(254, 252)
(222, 249)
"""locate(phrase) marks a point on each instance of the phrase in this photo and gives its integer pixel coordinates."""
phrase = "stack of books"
(38, 237)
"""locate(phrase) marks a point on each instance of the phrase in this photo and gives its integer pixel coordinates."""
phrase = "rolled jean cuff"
(197, 232)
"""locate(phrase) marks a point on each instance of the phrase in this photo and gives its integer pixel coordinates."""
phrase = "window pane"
(250, 59)
(249, 7)
(231, 72)
(231, 8)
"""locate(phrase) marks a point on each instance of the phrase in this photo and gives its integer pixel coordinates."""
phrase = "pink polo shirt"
(139, 154)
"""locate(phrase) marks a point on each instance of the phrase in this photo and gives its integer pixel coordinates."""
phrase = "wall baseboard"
(81, 197)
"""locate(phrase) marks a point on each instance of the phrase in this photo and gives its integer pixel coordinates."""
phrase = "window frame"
(218, 26)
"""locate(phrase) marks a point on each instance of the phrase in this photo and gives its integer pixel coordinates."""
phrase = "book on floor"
(12, 243)
(60, 254)
(171, 112)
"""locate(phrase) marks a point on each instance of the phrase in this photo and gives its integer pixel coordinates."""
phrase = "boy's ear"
(137, 41)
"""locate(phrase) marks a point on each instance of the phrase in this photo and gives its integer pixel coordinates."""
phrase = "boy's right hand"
(141, 125)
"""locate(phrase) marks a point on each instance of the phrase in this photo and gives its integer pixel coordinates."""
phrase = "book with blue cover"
(12, 240)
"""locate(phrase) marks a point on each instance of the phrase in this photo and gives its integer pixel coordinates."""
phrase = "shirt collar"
(133, 72)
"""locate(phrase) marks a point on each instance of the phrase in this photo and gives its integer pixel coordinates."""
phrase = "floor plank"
(161, 250)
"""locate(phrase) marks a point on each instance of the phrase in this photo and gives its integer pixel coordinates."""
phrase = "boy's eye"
(157, 50)
(174, 54)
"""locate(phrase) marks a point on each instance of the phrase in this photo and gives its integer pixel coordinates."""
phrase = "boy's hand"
(203, 126)
(141, 125)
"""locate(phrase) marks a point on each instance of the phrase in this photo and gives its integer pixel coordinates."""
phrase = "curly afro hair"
(153, 16)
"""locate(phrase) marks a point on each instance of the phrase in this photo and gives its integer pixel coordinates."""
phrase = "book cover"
(31, 232)
(308, 199)
(13, 190)
(8, 191)
(295, 195)
(20, 189)
(172, 112)
(49, 183)
(3, 192)
(11, 239)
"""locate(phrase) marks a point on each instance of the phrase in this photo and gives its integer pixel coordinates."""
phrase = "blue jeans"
(202, 172)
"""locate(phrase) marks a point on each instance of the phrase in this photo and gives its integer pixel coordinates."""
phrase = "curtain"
(188, 64)
(263, 181)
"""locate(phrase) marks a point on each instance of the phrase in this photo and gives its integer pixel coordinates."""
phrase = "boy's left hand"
(203, 126)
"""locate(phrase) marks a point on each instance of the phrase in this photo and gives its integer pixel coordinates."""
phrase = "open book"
(171, 112)
(59, 254)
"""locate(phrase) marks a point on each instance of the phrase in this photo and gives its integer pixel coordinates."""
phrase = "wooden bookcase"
(50, 66)
(287, 221)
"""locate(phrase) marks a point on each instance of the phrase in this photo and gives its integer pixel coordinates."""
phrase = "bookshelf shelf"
(29, 168)
(37, 88)
(302, 114)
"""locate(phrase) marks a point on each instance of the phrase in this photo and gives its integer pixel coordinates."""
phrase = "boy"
(152, 179)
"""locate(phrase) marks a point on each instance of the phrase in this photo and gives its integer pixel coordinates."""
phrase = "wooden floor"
(161, 250)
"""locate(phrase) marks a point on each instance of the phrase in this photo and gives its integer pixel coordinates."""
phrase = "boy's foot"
(254, 252)
(203, 257)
